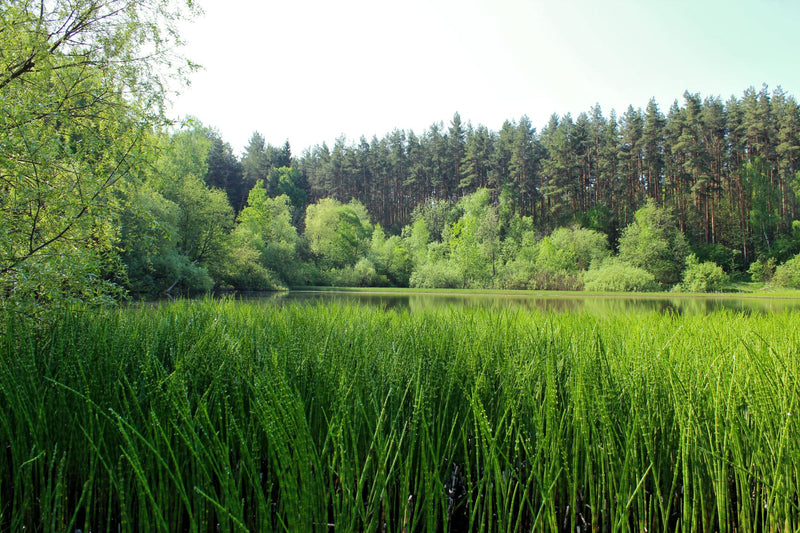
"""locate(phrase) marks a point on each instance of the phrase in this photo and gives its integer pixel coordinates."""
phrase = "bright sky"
(312, 70)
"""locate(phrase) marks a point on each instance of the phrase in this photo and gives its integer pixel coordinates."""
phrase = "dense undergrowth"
(224, 416)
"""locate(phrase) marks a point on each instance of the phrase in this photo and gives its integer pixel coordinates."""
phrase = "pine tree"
(653, 150)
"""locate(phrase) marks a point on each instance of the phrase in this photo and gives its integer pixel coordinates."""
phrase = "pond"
(557, 302)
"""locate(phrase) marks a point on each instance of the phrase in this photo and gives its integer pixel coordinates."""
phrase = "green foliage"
(729, 259)
(148, 240)
(764, 211)
(436, 214)
(654, 243)
(265, 225)
(555, 262)
(204, 215)
(702, 277)
(518, 274)
(787, 244)
(339, 234)
(362, 274)
(436, 275)
(601, 219)
(788, 274)
(416, 238)
(571, 250)
(174, 229)
(518, 233)
(81, 86)
(390, 257)
(474, 240)
(245, 270)
(225, 172)
(289, 181)
(615, 275)
(762, 270)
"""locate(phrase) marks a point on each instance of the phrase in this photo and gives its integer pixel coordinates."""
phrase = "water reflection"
(601, 305)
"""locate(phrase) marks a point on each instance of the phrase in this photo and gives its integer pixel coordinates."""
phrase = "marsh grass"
(224, 416)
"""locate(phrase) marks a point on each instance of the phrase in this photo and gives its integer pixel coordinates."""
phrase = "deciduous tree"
(81, 86)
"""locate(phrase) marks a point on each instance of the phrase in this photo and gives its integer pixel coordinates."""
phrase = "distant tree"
(571, 250)
(560, 170)
(788, 152)
(654, 242)
(631, 156)
(225, 172)
(474, 239)
(280, 157)
(290, 182)
(390, 257)
(653, 150)
(265, 227)
(523, 168)
(456, 148)
(339, 234)
(256, 162)
(477, 160)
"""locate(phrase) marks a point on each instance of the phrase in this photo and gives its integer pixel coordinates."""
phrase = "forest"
(104, 195)
(646, 201)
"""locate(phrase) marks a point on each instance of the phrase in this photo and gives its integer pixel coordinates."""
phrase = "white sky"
(312, 70)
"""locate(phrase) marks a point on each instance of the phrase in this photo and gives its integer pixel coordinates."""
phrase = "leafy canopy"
(82, 83)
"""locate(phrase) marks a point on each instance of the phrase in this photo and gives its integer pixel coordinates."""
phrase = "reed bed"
(224, 416)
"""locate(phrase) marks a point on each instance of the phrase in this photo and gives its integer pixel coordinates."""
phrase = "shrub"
(244, 271)
(702, 277)
(571, 250)
(788, 274)
(516, 275)
(728, 258)
(654, 242)
(436, 275)
(762, 270)
(363, 274)
(619, 276)
(545, 280)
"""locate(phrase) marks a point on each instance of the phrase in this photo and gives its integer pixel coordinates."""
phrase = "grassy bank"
(211, 416)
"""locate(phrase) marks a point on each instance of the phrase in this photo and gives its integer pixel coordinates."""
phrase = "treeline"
(98, 196)
(199, 218)
(728, 170)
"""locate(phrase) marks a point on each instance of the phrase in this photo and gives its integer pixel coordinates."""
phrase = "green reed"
(218, 415)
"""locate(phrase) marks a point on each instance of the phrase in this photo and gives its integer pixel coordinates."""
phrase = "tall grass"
(223, 416)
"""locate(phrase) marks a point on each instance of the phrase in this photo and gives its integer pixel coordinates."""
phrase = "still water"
(569, 303)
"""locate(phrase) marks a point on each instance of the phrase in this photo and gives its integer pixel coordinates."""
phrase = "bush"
(545, 280)
(436, 275)
(728, 258)
(516, 275)
(788, 274)
(619, 276)
(654, 242)
(702, 277)
(762, 270)
(245, 272)
(363, 274)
